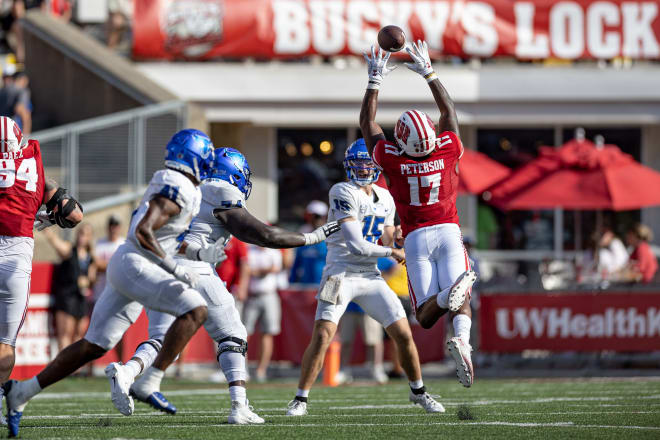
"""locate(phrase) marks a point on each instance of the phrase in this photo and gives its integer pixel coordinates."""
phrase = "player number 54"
(432, 180)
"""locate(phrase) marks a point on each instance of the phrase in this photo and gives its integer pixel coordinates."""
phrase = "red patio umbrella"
(580, 176)
(476, 173)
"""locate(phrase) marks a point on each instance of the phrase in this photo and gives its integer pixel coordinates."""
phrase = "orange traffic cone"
(331, 364)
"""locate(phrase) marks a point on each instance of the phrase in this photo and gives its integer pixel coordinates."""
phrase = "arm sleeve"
(342, 202)
(352, 233)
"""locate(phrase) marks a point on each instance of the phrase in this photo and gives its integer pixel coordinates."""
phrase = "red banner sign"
(535, 29)
(570, 322)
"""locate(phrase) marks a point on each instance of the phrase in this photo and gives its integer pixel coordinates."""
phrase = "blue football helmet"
(190, 151)
(358, 164)
(231, 166)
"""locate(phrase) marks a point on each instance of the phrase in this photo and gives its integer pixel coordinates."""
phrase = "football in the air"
(391, 38)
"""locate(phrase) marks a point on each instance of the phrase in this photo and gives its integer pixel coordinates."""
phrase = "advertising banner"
(527, 30)
(626, 322)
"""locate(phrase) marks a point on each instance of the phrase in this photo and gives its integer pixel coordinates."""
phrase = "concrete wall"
(651, 158)
(259, 145)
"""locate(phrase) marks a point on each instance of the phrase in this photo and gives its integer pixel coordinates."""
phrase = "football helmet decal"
(359, 167)
(415, 133)
(190, 151)
(11, 136)
(230, 165)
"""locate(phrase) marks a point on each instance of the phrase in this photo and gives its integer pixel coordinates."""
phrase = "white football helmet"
(11, 136)
(415, 133)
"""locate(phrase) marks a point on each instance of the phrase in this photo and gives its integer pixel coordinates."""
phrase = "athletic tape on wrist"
(168, 264)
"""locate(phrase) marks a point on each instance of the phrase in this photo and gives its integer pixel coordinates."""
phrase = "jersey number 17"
(432, 180)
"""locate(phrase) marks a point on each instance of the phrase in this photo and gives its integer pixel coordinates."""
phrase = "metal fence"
(113, 156)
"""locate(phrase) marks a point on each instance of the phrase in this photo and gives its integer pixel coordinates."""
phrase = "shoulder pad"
(221, 194)
(175, 186)
(342, 197)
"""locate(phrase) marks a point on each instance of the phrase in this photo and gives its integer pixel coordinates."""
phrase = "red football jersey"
(21, 190)
(424, 188)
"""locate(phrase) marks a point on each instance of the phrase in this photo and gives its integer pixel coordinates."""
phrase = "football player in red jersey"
(422, 172)
(23, 189)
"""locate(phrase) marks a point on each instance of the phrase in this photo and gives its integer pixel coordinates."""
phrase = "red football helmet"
(415, 133)
(11, 136)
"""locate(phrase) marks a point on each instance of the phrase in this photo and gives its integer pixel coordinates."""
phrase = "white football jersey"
(216, 194)
(373, 212)
(178, 188)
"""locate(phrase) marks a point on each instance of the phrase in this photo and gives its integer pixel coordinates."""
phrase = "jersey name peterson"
(423, 167)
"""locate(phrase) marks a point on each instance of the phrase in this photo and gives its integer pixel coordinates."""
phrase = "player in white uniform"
(366, 214)
(222, 213)
(141, 273)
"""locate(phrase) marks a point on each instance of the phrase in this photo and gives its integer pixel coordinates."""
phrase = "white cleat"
(120, 384)
(462, 354)
(243, 414)
(427, 402)
(459, 291)
(297, 408)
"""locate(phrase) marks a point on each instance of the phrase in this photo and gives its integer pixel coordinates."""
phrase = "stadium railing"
(107, 160)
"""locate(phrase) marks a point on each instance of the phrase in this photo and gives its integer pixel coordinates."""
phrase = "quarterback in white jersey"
(141, 273)
(222, 214)
(366, 214)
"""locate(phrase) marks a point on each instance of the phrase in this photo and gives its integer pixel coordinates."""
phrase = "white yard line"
(314, 425)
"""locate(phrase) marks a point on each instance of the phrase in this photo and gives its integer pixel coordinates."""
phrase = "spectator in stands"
(103, 251)
(72, 282)
(643, 264)
(372, 334)
(20, 8)
(611, 255)
(310, 260)
(263, 303)
(15, 101)
(120, 16)
(22, 82)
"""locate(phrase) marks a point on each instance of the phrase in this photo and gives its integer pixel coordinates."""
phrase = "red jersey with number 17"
(424, 188)
(21, 189)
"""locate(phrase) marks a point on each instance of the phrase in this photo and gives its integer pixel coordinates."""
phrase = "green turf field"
(581, 408)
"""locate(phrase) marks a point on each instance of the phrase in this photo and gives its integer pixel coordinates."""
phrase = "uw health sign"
(570, 322)
(536, 29)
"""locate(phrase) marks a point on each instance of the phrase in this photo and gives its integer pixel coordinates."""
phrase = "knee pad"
(231, 357)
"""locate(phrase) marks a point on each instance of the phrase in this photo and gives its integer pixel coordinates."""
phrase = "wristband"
(373, 84)
(192, 251)
(430, 76)
(389, 252)
(168, 264)
(310, 238)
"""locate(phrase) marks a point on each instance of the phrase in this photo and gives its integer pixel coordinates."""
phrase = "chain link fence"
(111, 156)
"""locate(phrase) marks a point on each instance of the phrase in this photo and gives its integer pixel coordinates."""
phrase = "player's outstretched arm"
(422, 64)
(351, 230)
(244, 226)
(377, 69)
